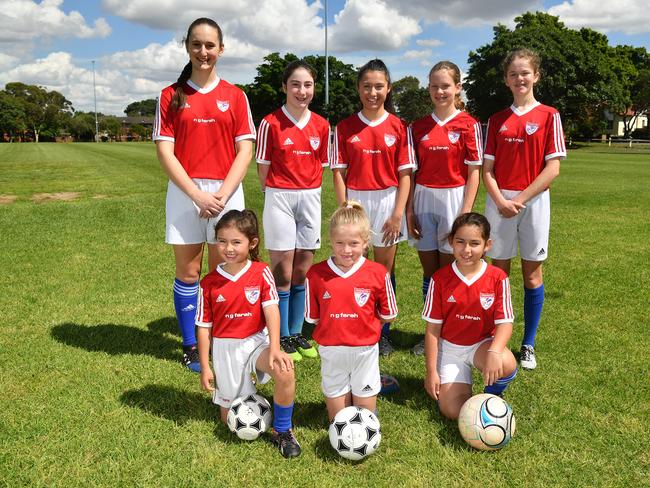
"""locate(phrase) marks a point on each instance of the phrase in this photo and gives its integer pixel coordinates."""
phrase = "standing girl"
(525, 144)
(373, 163)
(238, 300)
(469, 314)
(449, 149)
(204, 136)
(292, 148)
(346, 297)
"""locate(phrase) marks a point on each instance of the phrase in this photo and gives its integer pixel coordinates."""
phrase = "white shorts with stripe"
(436, 209)
(529, 228)
(183, 224)
(292, 219)
(350, 368)
(379, 206)
(455, 362)
(233, 362)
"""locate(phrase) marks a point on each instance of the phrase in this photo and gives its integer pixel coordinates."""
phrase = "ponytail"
(179, 97)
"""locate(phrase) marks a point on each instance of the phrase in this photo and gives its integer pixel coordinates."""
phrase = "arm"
(493, 369)
(392, 226)
(541, 183)
(340, 190)
(243, 155)
(411, 219)
(262, 173)
(431, 340)
(471, 188)
(507, 208)
(272, 316)
(207, 376)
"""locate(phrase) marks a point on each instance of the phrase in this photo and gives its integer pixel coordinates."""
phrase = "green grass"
(92, 393)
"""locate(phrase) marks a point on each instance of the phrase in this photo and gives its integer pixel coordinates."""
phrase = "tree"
(111, 126)
(139, 130)
(82, 126)
(411, 101)
(579, 76)
(144, 108)
(12, 116)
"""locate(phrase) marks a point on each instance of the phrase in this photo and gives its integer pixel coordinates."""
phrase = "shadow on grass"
(404, 340)
(119, 339)
(411, 393)
(164, 325)
(325, 452)
(311, 415)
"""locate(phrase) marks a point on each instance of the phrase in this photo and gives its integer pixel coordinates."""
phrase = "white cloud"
(7, 62)
(628, 16)
(415, 54)
(429, 42)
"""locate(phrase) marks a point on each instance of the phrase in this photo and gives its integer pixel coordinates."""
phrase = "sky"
(135, 45)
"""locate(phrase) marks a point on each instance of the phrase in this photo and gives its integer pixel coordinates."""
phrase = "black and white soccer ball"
(486, 422)
(355, 433)
(249, 416)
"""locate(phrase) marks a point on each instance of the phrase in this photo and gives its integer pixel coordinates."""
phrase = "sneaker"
(418, 349)
(287, 346)
(385, 347)
(286, 443)
(303, 346)
(527, 357)
(191, 359)
(389, 384)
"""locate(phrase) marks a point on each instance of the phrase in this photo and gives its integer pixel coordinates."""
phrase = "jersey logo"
(453, 137)
(326, 295)
(186, 105)
(315, 142)
(503, 128)
(355, 139)
(189, 308)
(252, 294)
(220, 298)
(531, 128)
(389, 139)
(223, 105)
(425, 138)
(287, 142)
(361, 296)
(451, 299)
(487, 300)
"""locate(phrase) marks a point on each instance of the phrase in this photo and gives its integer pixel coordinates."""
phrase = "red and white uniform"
(468, 309)
(233, 305)
(372, 152)
(520, 143)
(204, 131)
(445, 148)
(296, 151)
(348, 308)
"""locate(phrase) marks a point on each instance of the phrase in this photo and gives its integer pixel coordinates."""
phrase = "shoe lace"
(301, 341)
(192, 356)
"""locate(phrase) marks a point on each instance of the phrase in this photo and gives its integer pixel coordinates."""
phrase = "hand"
(432, 385)
(207, 379)
(413, 225)
(493, 368)
(208, 203)
(510, 208)
(282, 358)
(391, 230)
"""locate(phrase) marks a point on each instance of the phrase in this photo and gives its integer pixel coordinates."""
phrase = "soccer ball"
(355, 433)
(486, 422)
(249, 416)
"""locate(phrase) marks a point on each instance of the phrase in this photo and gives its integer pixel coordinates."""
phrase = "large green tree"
(411, 101)
(144, 108)
(82, 126)
(12, 116)
(580, 73)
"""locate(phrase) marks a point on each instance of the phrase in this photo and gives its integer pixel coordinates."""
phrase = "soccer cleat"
(527, 357)
(287, 346)
(418, 349)
(286, 443)
(303, 346)
(191, 359)
(385, 347)
(389, 384)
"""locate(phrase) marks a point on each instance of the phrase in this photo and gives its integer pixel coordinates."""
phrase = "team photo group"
(242, 320)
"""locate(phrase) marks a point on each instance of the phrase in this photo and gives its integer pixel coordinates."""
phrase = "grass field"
(92, 392)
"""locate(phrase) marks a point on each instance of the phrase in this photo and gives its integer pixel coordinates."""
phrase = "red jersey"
(445, 148)
(468, 309)
(520, 143)
(372, 152)
(205, 129)
(233, 305)
(296, 151)
(348, 308)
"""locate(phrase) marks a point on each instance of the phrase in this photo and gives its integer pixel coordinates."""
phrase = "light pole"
(95, 97)
(327, 68)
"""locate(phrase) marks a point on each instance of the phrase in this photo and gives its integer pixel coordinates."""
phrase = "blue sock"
(533, 302)
(426, 281)
(284, 313)
(500, 385)
(185, 300)
(385, 329)
(282, 417)
(296, 308)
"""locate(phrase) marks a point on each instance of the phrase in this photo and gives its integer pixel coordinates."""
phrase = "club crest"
(361, 296)
(487, 300)
(315, 142)
(223, 105)
(389, 139)
(531, 128)
(252, 294)
(453, 136)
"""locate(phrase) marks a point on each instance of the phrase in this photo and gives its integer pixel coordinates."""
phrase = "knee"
(449, 411)
(284, 379)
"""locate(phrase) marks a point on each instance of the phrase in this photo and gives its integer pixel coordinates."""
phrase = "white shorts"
(436, 209)
(292, 219)
(529, 228)
(379, 206)
(455, 362)
(183, 224)
(233, 362)
(347, 368)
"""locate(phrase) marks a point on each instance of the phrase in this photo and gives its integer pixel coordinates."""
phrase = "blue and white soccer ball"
(355, 433)
(249, 416)
(486, 422)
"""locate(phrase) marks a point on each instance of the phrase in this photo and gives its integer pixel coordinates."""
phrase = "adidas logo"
(425, 138)
(451, 299)
(288, 142)
(541, 252)
(367, 388)
(189, 308)
(355, 139)
(220, 298)
(503, 128)
(326, 295)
